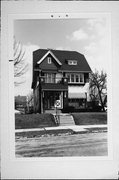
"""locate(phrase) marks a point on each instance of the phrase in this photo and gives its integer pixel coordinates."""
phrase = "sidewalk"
(75, 128)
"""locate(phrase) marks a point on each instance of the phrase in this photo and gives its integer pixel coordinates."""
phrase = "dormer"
(72, 62)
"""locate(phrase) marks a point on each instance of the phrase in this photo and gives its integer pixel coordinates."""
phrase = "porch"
(49, 98)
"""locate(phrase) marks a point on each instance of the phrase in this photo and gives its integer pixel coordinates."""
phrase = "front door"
(50, 98)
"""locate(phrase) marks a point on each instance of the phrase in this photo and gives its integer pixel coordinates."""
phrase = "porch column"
(42, 94)
(39, 99)
(65, 99)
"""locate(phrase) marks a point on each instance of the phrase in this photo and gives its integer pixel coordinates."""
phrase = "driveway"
(88, 144)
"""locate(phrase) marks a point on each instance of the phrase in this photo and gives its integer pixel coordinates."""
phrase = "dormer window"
(72, 62)
(49, 60)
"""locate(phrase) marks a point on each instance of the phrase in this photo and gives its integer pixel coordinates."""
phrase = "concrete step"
(66, 120)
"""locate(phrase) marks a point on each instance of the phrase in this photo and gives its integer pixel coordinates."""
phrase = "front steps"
(63, 119)
(66, 120)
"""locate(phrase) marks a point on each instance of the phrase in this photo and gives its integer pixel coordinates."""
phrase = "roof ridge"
(51, 49)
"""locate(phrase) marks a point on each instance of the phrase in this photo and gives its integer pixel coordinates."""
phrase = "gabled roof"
(61, 56)
(82, 64)
(49, 52)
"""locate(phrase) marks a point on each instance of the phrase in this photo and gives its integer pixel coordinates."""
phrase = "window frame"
(69, 76)
(49, 77)
(72, 62)
(49, 60)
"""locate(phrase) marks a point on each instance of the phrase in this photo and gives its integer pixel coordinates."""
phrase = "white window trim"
(80, 74)
(50, 77)
(49, 60)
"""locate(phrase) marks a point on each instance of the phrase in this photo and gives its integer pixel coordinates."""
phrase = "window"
(81, 78)
(49, 60)
(72, 62)
(72, 78)
(49, 78)
(75, 78)
(68, 77)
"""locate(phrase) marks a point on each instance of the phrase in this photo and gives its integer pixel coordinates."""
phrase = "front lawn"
(90, 118)
(25, 121)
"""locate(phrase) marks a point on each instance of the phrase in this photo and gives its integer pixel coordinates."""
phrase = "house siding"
(45, 66)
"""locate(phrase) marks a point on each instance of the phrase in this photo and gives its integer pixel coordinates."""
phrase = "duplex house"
(59, 76)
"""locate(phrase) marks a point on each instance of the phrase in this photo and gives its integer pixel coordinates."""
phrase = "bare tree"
(98, 88)
(20, 65)
(30, 102)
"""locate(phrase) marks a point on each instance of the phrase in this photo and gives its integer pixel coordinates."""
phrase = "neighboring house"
(30, 103)
(59, 75)
(20, 103)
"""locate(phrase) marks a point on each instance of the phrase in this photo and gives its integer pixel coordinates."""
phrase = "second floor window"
(75, 78)
(49, 78)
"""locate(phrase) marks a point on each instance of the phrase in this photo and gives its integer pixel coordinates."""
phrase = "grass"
(90, 118)
(26, 121)
(32, 134)
(93, 130)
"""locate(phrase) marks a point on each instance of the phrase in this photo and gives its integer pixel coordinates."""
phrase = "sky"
(87, 36)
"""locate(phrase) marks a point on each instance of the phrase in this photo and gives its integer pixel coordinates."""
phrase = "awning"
(77, 92)
(77, 96)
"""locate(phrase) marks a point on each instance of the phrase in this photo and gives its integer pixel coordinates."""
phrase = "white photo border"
(63, 16)
(8, 58)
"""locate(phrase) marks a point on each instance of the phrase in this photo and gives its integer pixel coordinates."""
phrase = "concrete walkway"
(75, 128)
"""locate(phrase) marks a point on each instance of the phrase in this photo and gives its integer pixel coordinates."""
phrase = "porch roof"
(54, 87)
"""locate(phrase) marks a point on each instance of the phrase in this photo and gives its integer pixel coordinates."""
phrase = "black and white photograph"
(60, 73)
(59, 95)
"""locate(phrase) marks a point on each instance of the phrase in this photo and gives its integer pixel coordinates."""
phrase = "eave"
(73, 71)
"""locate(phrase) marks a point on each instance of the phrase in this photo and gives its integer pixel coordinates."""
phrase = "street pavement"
(82, 145)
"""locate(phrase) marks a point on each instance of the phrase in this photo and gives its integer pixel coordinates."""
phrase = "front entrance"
(50, 98)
